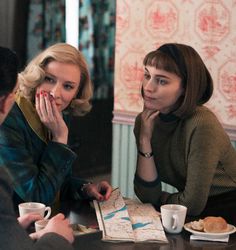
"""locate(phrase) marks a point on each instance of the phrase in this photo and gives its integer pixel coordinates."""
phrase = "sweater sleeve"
(38, 169)
(52, 241)
(12, 235)
(146, 191)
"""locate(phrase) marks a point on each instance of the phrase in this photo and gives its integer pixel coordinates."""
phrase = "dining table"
(83, 213)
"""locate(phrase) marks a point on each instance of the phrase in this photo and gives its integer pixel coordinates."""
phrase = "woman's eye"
(146, 76)
(68, 86)
(49, 79)
(161, 81)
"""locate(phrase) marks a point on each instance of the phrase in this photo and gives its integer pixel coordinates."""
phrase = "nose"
(149, 85)
(56, 91)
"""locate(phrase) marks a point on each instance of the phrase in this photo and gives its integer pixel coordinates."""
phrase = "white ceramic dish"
(231, 230)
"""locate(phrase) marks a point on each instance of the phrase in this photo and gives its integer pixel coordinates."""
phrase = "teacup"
(173, 217)
(34, 207)
(40, 224)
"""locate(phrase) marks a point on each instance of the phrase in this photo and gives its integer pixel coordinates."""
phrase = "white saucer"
(231, 230)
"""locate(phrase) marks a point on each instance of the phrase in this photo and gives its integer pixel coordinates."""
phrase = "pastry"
(210, 224)
(215, 225)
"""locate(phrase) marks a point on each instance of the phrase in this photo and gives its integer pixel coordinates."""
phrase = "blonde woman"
(34, 137)
(57, 234)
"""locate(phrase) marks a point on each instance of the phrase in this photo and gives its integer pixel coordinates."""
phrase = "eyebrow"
(51, 75)
(73, 83)
(158, 75)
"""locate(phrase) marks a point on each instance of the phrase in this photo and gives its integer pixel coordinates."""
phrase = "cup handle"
(48, 210)
(175, 221)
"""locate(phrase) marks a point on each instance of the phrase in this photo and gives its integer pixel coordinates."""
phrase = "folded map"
(128, 220)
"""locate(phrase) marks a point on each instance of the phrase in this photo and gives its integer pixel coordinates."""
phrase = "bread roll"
(213, 224)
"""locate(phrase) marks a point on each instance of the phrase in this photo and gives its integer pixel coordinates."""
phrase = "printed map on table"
(128, 220)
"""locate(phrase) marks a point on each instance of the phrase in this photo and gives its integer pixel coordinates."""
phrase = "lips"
(58, 105)
(147, 98)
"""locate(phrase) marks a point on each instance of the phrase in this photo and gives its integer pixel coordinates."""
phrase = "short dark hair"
(185, 62)
(8, 70)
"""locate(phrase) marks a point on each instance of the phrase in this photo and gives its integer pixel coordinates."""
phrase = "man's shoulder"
(14, 115)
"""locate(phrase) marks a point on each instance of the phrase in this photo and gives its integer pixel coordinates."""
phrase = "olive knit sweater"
(194, 155)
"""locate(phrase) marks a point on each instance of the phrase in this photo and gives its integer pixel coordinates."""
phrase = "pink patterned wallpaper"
(207, 25)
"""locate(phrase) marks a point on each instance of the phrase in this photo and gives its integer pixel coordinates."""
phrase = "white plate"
(231, 230)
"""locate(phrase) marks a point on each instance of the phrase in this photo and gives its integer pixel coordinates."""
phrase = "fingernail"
(37, 95)
(51, 98)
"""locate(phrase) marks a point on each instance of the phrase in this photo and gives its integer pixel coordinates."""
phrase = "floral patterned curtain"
(104, 36)
(86, 32)
(96, 41)
(46, 26)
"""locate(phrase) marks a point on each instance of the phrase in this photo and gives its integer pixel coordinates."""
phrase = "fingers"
(40, 105)
(59, 216)
(27, 219)
(154, 114)
(107, 188)
(57, 224)
(55, 111)
(34, 236)
(100, 192)
(51, 117)
(37, 106)
(43, 104)
(149, 114)
(60, 225)
(98, 196)
(93, 191)
(147, 124)
(48, 105)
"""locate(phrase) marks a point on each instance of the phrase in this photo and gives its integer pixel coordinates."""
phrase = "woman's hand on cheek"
(51, 117)
(147, 123)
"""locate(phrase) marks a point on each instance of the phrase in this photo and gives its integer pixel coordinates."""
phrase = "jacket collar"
(31, 116)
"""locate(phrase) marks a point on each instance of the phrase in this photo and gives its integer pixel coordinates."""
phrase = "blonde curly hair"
(34, 74)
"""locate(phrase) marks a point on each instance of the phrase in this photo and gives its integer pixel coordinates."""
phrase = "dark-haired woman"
(179, 140)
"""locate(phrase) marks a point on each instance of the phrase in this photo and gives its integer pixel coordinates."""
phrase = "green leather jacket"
(40, 168)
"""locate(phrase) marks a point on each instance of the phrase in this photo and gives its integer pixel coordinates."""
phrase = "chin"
(150, 107)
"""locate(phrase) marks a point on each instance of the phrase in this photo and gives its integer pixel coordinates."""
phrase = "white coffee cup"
(40, 224)
(173, 217)
(35, 208)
